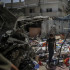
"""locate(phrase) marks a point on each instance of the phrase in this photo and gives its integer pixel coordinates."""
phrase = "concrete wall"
(35, 13)
(44, 28)
(54, 26)
(29, 2)
(45, 4)
(54, 12)
(14, 5)
(60, 26)
(34, 31)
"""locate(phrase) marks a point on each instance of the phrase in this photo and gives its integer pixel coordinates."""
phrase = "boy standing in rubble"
(51, 47)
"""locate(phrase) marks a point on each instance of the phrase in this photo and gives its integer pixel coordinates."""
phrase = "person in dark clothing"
(51, 46)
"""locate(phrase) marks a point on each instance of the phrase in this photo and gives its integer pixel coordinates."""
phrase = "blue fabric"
(36, 66)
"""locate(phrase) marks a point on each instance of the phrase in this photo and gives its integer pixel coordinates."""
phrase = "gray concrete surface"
(57, 68)
(42, 68)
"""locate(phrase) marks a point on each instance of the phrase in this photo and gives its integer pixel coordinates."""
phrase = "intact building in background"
(13, 4)
(14, 7)
(45, 8)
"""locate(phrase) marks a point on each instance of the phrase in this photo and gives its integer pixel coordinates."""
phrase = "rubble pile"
(13, 44)
(25, 52)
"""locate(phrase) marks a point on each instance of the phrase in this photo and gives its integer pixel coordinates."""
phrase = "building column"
(11, 3)
(19, 0)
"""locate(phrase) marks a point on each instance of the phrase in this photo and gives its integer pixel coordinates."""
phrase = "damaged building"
(52, 8)
(24, 29)
(7, 19)
(43, 25)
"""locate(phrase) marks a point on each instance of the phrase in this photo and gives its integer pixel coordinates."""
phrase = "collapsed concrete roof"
(42, 17)
(62, 18)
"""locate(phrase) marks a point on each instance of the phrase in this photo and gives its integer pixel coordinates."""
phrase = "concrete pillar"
(11, 3)
(19, 0)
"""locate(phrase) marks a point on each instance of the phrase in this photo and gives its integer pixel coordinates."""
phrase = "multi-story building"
(13, 3)
(45, 7)
(14, 7)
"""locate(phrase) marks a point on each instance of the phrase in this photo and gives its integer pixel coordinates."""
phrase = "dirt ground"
(42, 68)
(57, 68)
